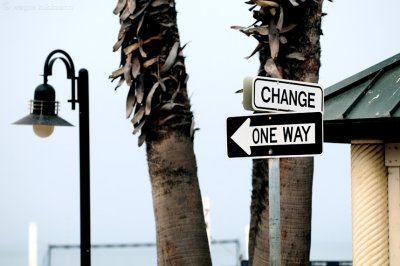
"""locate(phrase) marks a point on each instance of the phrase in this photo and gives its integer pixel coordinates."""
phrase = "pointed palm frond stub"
(152, 65)
(275, 22)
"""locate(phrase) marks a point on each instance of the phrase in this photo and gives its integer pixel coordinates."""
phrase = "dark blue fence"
(315, 263)
(331, 263)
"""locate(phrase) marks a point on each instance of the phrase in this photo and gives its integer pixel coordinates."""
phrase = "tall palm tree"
(288, 33)
(152, 65)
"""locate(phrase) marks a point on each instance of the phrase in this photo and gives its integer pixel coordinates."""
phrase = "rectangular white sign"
(291, 134)
(275, 135)
(269, 94)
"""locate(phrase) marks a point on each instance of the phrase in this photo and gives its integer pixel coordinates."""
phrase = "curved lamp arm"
(69, 64)
(84, 154)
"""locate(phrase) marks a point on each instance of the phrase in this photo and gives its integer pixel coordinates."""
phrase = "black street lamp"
(44, 116)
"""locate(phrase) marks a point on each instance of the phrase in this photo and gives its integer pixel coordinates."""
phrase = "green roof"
(365, 106)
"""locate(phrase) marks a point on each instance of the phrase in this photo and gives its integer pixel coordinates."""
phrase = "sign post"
(295, 131)
(273, 136)
(274, 198)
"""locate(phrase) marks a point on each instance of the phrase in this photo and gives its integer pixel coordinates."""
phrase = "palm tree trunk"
(296, 193)
(298, 59)
(180, 225)
(152, 64)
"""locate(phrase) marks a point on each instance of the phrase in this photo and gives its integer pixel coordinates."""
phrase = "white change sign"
(269, 94)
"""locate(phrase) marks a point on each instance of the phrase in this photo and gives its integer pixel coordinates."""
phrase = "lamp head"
(43, 112)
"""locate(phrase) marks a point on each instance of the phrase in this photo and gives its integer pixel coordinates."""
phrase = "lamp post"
(44, 116)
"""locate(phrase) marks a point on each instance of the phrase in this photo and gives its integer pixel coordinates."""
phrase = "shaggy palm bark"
(153, 66)
(289, 48)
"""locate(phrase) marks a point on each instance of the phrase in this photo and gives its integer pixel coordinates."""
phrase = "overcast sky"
(39, 178)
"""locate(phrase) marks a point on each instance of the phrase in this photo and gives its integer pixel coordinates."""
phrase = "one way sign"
(275, 135)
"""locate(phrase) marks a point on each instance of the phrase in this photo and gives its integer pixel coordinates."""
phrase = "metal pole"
(49, 256)
(274, 212)
(83, 98)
